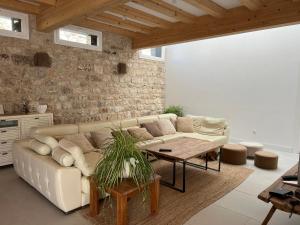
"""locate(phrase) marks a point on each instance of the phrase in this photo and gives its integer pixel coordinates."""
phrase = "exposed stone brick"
(82, 85)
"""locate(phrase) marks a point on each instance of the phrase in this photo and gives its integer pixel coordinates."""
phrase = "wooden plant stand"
(126, 190)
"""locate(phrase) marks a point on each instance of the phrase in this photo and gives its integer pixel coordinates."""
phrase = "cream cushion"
(184, 124)
(197, 122)
(62, 157)
(216, 123)
(81, 141)
(38, 147)
(217, 139)
(78, 156)
(142, 144)
(85, 185)
(166, 127)
(211, 131)
(48, 140)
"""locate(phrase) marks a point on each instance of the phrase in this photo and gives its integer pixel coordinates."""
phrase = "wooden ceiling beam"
(97, 25)
(209, 7)
(20, 6)
(166, 9)
(252, 4)
(237, 20)
(139, 15)
(69, 11)
(122, 23)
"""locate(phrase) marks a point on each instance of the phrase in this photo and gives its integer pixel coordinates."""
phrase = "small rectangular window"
(14, 24)
(79, 37)
(153, 53)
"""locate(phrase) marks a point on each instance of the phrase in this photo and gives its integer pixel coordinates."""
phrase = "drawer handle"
(4, 142)
(36, 118)
(4, 153)
(3, 131)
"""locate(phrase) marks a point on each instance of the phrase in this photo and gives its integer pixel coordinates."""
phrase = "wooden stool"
(266, 160)
(252, 147)
(234, 154)
(122, 193)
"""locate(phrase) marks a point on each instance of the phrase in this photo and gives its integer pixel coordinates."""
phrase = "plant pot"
(126, 170)
(41, 108)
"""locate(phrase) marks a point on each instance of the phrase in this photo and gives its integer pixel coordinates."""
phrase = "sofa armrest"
(60, 185)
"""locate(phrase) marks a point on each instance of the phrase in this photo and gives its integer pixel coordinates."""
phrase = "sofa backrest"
(65, 129)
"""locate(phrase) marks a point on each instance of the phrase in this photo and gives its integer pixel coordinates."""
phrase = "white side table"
(252, 147)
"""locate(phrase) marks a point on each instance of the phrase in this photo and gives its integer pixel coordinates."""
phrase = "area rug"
(203, 188)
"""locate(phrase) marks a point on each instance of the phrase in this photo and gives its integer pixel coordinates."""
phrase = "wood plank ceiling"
(160, 22)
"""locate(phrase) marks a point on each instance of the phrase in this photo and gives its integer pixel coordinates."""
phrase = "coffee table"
(184, 149)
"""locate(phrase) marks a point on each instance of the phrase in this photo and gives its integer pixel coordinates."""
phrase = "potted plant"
(176, 109)
(122, 160)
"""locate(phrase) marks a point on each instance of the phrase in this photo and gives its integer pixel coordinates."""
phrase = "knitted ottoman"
(252, 147)
(234, 154)
(266, 160)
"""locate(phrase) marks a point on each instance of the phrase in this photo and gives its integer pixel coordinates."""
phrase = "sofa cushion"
(166, 127)
(129, 123)
(62, 157)
(143, 144)
(102, 137)
(76, 152)
(170, 137)
(184, 124)
(141, 134)
(153, 128)
(48, 140)
(211, 131)
(147, 119)
(81, 141)
(38, 147)
(92, 159)
(218, 139)
(197, 122)
(217, 123)
(85, 185)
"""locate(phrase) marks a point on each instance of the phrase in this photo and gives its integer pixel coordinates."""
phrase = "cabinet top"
(16, 116)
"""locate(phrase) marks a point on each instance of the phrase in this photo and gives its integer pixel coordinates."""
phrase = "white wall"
(251, 79)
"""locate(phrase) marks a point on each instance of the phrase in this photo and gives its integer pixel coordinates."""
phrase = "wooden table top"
(183, 148)
(282, 204)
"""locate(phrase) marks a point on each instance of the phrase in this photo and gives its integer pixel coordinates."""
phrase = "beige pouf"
(266, 160)
(234, 154)
(252, 147)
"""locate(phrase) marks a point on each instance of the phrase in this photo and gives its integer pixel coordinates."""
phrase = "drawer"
(9, 134)
(38, 121)
(6, 145)
(5, 158)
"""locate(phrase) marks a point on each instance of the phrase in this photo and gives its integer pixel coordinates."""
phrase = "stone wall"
(82, 85)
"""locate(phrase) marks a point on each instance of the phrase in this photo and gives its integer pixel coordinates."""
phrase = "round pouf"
(252, 147)
(266, 160)
(234, 154)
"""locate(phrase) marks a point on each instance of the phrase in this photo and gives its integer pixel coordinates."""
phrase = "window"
(153, 53)
(79, 37)
(14, 24)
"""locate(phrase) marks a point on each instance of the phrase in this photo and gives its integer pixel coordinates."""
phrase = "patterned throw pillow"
(166, 127)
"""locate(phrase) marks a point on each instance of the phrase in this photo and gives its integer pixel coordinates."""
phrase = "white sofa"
(65, 187)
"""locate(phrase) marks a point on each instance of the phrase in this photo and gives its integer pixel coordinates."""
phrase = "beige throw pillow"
(81, 141)
(141, 134)
(152, 128)
(184, 124)
(166, 127)
(102, 138)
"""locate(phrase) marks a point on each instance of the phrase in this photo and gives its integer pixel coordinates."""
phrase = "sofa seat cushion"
(142, 144)
(211, 131)
(170, 137)
(218, 139)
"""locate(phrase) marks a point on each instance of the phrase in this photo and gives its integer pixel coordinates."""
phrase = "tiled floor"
(242, 207)
(22, 205)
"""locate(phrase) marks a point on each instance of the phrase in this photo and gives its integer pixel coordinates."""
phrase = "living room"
(179, 97)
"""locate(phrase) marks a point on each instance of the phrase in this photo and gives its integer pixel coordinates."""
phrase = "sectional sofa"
(66, 187)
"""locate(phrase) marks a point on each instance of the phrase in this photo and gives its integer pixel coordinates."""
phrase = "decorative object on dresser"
(1, 110)
(17, 127)
(41, 109)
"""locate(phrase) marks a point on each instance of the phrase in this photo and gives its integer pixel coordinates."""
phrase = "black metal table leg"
(206, 161)
(220, 159)
(183, 176)
(174, 173)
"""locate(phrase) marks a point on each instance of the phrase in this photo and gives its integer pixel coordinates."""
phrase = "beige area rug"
(202, 189)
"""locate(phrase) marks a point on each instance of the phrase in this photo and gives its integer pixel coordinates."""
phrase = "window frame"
(59, 41)
(24, 34)
(162, 58)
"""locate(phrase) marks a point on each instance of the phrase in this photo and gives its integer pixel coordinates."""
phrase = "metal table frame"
(184, 164)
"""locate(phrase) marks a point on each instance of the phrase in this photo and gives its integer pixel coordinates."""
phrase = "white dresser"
(18, 127)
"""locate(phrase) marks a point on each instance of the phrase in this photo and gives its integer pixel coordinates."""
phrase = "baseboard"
(282, 148)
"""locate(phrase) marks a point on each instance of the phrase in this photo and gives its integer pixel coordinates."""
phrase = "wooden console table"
(281, 204)
(123, 193)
